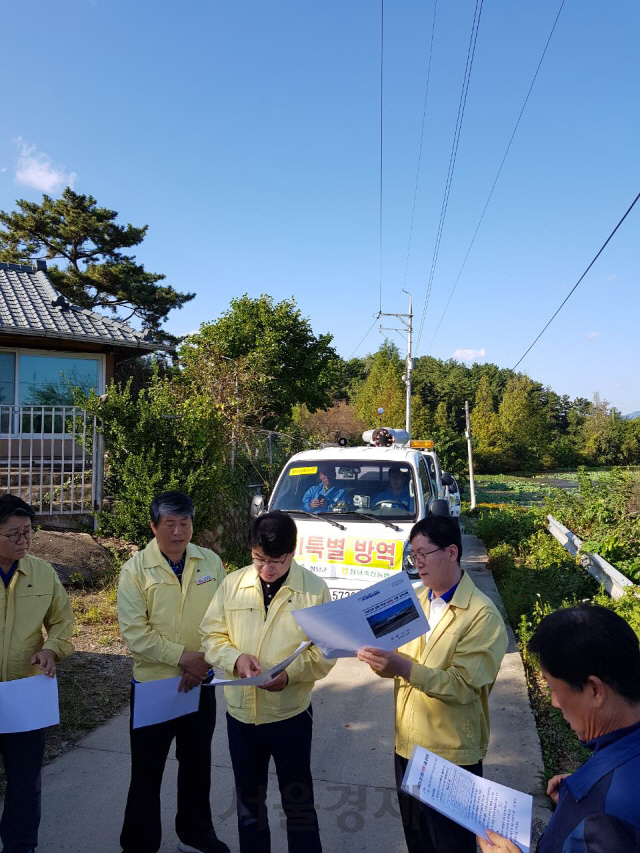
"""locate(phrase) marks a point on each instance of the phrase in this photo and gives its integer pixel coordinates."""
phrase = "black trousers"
(425, 829)
(251, 747)
(142, 831)
(22, 755)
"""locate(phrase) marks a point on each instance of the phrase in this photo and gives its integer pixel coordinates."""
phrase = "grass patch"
(561, 749)
(535, 576)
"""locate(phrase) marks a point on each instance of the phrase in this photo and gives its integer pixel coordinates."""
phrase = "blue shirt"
(404, 499)
(6, 578)
(599, 805)
(333, 495)
(446, 596)
(178, 567)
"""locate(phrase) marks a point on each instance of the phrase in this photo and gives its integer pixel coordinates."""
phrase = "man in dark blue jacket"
(590, 657)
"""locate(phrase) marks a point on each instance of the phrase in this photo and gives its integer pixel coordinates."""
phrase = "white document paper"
(159, 701)
(264, 677)
(385, 615)
(28, 703)
(475, 803)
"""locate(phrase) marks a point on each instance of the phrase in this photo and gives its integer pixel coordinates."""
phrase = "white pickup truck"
(353, 527)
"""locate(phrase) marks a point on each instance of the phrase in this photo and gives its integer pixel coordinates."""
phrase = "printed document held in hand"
(385, 616)
(265, 676)
(159, 701)
(475, 803)
(28, 703)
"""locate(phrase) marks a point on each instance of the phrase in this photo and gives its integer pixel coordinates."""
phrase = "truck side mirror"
(447, 479)
(439, 507)
(257, 506)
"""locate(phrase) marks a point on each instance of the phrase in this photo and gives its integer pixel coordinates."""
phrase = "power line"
(493, 186)
(566, 299)
(452, 158)
(366, 335)
(424, 114)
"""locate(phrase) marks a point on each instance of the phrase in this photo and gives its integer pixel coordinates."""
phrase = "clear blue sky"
(246, 134)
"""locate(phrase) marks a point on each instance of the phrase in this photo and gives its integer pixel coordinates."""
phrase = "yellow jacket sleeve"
(474, 665)
(58, 621)
(216, 644)
(138, 634)
(311, 665)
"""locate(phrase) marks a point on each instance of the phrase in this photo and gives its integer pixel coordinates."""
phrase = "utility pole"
(472, 483)
(407, 329)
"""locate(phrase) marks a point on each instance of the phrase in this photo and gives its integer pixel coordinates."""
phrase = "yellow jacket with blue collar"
(444, 707)
(35, 598)
(159, 616)
(236, 623)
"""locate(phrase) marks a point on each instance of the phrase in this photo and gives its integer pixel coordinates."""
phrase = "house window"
(7, 386)
(47, 380)
(42, 379)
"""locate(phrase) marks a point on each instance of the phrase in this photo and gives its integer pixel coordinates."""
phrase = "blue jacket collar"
(602, 763)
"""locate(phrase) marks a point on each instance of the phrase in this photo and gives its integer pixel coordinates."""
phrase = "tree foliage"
(384, 388)
(274, 341)
(164, 438)
(95, 271)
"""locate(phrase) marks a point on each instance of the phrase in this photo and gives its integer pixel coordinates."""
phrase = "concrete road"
(84, 790)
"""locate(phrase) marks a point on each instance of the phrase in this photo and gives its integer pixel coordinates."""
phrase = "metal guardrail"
(611, 579)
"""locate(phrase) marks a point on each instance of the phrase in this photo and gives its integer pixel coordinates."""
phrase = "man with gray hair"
(163, 594)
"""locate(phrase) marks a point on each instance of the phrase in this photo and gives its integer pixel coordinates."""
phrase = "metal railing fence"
(50, 457)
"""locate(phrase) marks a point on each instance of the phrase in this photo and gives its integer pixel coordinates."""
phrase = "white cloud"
(4, 169)
(35, 169)
(469, 354)
(593, 335)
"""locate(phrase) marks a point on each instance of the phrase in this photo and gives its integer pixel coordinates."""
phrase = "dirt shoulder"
(95, 680)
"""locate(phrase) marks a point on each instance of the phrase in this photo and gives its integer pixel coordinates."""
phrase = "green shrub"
(502, 559)
(510, 524)
(603, 511)
(542, 551)
(628, 606)
(166, 438)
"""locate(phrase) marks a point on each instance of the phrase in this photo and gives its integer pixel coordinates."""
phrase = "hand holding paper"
(386, 664)
(496, 844)
(46, 660)
(473, 802)
(258, 676)
(247, 666)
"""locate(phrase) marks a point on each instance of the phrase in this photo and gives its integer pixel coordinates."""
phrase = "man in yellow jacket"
(443, 679)
(248, 627)
(163, 593)
(32, 597)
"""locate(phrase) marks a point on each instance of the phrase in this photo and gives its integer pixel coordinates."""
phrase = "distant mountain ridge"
(631, 416)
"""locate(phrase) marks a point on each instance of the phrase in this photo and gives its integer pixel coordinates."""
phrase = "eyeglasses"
(259, 562)
(416, 556)
(15, 537)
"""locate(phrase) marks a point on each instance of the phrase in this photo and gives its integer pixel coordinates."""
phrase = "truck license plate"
(341, 593)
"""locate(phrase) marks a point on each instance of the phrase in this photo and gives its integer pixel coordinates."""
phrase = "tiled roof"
(27, 307)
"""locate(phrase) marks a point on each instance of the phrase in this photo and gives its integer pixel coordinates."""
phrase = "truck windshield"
(383, 489)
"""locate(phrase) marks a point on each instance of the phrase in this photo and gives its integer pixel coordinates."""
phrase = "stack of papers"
(159, 701)
(471, 801)
(28, 703)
